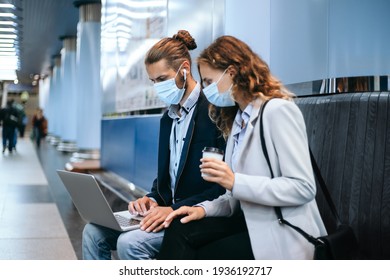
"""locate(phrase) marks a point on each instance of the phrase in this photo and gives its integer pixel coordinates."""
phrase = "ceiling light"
(7, 74)
(8, 36)
(8, 29)
(9, 60)
(7, 6)
(7, 22)
(7, 53)
(9, 45)
(10, 41)
(12, 67)
(10, 15)
(11, 49)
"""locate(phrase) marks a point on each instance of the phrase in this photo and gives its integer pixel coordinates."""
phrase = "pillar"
(54, 103)
(68, 95)
(88, 76)
(44, 91)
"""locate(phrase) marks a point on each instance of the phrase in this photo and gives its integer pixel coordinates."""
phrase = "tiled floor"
(37, 218)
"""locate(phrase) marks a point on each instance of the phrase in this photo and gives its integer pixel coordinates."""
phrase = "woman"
(239, 81)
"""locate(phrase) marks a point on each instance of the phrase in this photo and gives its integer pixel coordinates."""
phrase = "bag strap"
(308, 237)
(324, 189)
(262, 137)
(317, 172)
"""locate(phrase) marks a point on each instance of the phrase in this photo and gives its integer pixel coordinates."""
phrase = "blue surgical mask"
(223, 99)
(168, 91)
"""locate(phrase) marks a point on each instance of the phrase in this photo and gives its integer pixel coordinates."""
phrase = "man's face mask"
(168, 91)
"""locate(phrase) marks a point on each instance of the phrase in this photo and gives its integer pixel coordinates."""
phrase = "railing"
(341, 85)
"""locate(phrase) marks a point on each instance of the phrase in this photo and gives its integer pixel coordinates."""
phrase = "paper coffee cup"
(211, 152)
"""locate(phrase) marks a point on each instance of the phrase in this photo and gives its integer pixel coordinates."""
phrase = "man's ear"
(187, 67)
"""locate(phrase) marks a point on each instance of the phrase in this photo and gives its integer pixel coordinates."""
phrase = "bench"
(349, 135)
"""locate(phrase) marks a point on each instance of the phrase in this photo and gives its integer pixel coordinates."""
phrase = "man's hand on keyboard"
(141, 206)
(154, 220)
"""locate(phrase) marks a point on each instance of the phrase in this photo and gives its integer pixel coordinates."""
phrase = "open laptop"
(92, 204)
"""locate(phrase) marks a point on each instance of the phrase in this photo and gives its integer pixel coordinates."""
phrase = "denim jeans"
(38, 136)
(98, 242)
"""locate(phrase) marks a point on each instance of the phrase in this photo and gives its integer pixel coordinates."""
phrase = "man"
(10, 120)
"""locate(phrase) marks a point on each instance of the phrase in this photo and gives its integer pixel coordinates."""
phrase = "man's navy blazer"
(190, 187)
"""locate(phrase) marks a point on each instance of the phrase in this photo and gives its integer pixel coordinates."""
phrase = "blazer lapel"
(229, 151)
(186, 145)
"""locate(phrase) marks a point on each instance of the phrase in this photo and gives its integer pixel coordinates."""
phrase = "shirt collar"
(188, 105)
(242, 117)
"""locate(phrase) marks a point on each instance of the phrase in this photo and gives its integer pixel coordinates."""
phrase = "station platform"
(38, 220)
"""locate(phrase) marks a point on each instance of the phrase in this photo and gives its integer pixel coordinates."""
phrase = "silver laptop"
(92, 205)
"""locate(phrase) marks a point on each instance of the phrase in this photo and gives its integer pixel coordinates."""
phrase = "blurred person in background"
(39, 123)
(9, 117)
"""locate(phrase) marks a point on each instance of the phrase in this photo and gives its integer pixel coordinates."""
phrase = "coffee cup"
(211, 152)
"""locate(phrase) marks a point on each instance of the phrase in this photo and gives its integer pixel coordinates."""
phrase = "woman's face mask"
(168, 91)
(220, 99)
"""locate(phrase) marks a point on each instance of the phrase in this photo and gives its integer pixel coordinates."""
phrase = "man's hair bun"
(185, 37)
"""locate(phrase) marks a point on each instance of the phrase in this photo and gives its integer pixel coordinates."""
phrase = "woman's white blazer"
(293, 187)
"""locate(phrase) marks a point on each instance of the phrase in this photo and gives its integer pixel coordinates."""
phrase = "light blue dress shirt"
(181, 116)
(238, 132)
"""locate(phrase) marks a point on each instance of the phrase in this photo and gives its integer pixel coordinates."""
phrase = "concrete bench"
(349, 135)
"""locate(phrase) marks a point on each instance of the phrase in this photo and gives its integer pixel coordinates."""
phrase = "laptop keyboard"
(125, 222)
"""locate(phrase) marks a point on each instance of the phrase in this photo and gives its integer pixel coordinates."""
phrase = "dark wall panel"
(348, 134)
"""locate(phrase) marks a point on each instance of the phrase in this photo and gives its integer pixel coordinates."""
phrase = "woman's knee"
(139, 244)
(177, 228)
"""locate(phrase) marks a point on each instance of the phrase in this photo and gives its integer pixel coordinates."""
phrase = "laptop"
(92, 204)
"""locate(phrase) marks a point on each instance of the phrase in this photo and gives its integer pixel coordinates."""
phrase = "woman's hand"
(218, 172)
(191, 214)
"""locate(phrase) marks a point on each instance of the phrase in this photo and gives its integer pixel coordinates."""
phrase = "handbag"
(339, 245)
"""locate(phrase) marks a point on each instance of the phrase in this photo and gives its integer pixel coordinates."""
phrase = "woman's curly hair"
(253, 77)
